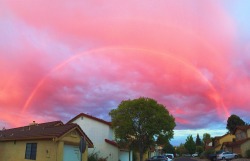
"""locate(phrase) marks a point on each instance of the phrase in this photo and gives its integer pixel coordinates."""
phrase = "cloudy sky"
(59, 58)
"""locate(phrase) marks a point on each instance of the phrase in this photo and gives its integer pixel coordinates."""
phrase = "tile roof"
(114, 143)
(91, 117)
(47, 130)
(236, 143)
(111, 142)
(242, 127)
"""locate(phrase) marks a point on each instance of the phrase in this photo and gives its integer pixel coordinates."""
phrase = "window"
(30, 152)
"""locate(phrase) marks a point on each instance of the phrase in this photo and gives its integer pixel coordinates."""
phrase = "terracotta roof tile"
(242, 127)
(47, 130)
(44, 130)
(114, 143)
(111, 142)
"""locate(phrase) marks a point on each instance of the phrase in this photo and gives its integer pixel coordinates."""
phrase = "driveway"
(184, 159)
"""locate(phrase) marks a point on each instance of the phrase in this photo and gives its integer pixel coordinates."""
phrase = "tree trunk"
(141, 151)
(141, 155)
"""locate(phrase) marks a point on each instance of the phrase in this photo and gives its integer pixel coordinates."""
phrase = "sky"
(59, 59)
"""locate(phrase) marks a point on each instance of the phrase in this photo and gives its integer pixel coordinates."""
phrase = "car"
(169, 156)
(226, 156)
(213, 156)
(195, 155)
(158, 158)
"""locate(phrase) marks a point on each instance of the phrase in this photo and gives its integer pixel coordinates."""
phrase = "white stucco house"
(102, 136)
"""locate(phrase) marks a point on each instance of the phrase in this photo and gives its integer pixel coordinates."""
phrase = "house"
(208, 144)
(51, 141)
(219, 140)
(242, 141)
(102, 135)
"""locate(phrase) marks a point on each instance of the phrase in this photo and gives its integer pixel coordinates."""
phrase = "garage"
(71, 153)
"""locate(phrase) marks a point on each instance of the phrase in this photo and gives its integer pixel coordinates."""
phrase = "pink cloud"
(179, 53)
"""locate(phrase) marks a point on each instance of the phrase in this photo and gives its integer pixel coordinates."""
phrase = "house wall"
(226, 138)
(244, 147)
(236, 150)
(240, 135)
(248, 133)
(73, 138)
(46, 150)
(111, 152)
(125, 155)
(98, 132)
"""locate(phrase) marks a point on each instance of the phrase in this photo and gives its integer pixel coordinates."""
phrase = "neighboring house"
(242, 141)
(51, 141)
(102, 135)
(218, 141)
(208, 144)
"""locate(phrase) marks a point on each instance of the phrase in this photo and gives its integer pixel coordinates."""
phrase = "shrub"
(206, 153)
(199, 149)
(94, 157)
(134, 156)
(248, 153)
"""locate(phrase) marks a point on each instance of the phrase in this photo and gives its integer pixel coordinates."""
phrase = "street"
(184, 159)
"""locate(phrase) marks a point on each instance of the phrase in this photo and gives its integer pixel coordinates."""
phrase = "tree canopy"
(140, 123)
(198, 140)
(190, 144)
(206, 138)
(234, 121)
(168, 148)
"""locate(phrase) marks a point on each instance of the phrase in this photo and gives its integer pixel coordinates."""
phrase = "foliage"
(181, 150)
(206, 138)
(248, 153)
(198, 140)
(162, 139)
(206, 153)
(199, 149)
(94, 157)
(168, 148)
(135, 157)
(190, 144)
(234, 121)
(140, 122)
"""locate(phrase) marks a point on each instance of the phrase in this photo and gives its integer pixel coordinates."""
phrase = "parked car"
(213, 156)
(158, 158)
(226, 156)
(195, 155)
(169, 156)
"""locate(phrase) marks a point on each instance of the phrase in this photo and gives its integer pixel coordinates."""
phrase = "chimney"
(33, 123)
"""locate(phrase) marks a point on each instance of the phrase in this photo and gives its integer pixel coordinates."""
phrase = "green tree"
(181, 149)
(140, 122)
(198, 140)
(234, 121)
(206, 138)
(168, 148)
(190, 144)
(199, 149)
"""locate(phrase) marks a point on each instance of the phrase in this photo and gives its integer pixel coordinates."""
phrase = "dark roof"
(242, 127)
(235, 143)
(114, 143)
(111, 142)
(91, 117)
(47, 130)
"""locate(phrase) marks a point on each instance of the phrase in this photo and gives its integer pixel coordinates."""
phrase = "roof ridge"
(91, 117)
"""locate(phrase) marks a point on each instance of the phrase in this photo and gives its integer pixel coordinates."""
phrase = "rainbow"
(214, 95)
